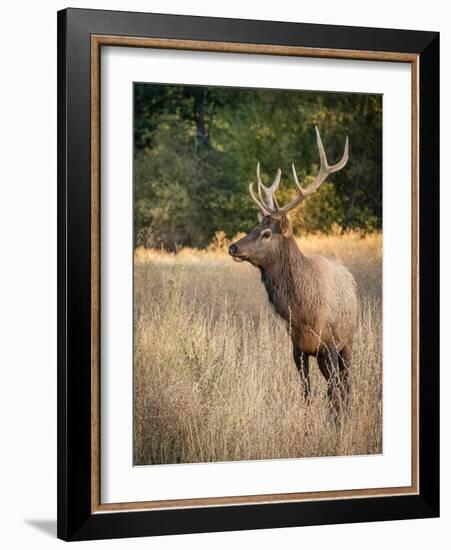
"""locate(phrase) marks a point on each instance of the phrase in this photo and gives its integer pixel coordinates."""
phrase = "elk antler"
(324, 171)
(271, 200)
(270, 207)
(267, 205)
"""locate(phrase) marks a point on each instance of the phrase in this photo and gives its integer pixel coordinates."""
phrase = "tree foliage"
(197, 148)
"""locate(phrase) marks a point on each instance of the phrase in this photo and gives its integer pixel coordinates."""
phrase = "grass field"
(214, 378)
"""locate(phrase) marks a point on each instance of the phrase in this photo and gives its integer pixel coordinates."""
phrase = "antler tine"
(259, 183)
(324, 171)
(259, 203)
(271, 191)
(270, 200)
(296, 181)
(344, 159)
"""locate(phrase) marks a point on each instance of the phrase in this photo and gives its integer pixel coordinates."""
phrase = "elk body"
(316, 296)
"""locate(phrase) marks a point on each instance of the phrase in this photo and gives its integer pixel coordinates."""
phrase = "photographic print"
(257, 274)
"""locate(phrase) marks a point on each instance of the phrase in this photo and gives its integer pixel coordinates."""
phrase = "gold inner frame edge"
(97, 41)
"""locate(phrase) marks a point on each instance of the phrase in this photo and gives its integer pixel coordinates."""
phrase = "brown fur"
(315, 295)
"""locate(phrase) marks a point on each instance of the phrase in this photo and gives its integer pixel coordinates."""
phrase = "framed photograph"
(248, 274)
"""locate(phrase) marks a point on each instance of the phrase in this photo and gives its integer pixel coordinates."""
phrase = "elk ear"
(285, 225)
(260, 217)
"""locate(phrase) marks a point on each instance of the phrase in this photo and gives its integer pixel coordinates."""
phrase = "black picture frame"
(76, 521)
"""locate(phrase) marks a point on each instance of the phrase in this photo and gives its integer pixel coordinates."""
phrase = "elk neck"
(289, 281)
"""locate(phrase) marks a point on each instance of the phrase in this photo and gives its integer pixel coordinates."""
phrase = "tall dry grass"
(214, 378)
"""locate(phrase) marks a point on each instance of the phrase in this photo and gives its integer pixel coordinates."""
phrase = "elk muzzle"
(234, 252)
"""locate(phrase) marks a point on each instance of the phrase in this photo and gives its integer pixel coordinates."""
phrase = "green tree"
(196, 150)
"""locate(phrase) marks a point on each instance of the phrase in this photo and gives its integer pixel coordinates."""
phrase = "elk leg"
(301, 360)
(328, 364)
(344, 362)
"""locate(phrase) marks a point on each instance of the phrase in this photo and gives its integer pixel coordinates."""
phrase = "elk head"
(263, 241)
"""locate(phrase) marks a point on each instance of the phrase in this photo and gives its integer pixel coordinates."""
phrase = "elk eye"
(266, 234)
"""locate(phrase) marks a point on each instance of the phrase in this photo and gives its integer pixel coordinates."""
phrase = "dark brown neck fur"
(290, 282)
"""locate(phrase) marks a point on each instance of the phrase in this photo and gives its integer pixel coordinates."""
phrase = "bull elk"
(315, 295)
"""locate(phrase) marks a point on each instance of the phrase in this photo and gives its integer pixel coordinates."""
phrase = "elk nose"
(232, 249)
